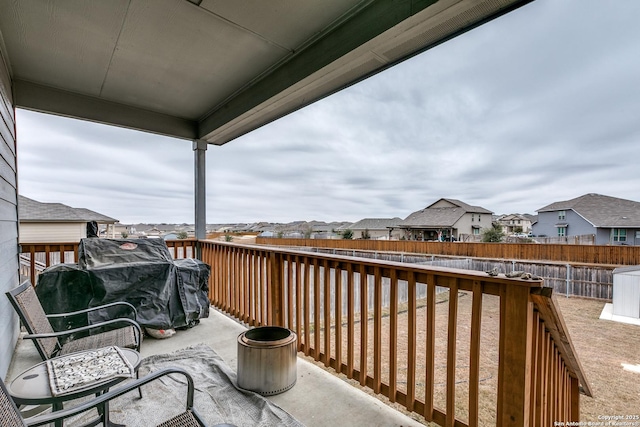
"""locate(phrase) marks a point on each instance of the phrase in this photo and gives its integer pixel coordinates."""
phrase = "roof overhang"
(210, 70)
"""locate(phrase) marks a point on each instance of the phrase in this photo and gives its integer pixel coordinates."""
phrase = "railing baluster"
(298, 300)
(452, 336)
(516, 314)
(364, 320)
(327, 312)
(474, 354)
(47, 255)
(539, 407)
(237, 282)
(289, 295)
(251, 287)
(316, 309)
(430, 347)
(575, 400)
(307, 306)
(260, 290)
(351, 301)
(393, 334)
(240, 283)
(233, 291)
(32, 266)
(377, 329)
(411, 342)
(548, 366)
(535, 365)
(338, 315)
(275, 296)
(247, 285)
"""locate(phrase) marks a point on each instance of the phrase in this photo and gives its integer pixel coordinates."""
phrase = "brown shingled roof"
(30, 210)
(601, 211)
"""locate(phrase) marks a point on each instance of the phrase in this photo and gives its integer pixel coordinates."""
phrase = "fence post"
(514, 365)
(276, 289)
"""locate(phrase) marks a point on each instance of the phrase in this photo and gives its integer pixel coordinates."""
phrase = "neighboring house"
(120, 230)
(446, 219)
(515, 223)
(55, 222)
(613, 221)
(377, 228)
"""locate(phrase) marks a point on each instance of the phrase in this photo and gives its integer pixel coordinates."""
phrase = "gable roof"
(441, 216)
(30, 210)
(516, 216)
(463, 205)
(601, 211)
(376, 223)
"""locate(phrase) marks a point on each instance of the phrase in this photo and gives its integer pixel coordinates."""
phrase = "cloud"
(537, 106)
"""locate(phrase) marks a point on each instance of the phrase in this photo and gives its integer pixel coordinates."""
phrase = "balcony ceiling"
(212, 69)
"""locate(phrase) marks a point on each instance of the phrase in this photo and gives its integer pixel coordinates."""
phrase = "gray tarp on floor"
(217, 399)
(166, 293)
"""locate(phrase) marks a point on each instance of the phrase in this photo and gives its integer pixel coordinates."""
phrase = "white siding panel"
(52, 232)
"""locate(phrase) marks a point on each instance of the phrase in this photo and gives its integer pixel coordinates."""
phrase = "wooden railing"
(461, 348)
(35, 257)
(507, 344)
(584, 254)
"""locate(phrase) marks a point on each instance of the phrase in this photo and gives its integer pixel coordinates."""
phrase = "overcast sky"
(538, 106)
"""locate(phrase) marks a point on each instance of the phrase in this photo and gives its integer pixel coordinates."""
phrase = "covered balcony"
(449, 346)
(208, 72)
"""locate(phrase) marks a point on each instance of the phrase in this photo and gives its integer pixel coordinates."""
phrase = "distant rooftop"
(601, 211)
(376, 223)
(30, 210)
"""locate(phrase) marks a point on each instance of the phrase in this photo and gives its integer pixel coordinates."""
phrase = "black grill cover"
(63, 288)
(166, 293)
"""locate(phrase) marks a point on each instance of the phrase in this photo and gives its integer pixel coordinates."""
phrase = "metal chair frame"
(48, 342)
(189, 418)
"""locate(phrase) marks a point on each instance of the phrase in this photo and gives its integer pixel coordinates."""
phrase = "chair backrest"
(27, 305)
(9, 413)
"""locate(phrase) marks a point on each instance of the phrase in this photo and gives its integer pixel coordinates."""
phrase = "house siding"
(377, 234)
(603, 237)
(547, 221)
(465, 226)
(37, 232)
(9, 279)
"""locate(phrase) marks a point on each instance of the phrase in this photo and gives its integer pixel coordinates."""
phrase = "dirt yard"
(610, 356)
(608, 351)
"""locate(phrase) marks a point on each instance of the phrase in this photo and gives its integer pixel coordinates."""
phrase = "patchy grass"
(610, 356)
(608, 351)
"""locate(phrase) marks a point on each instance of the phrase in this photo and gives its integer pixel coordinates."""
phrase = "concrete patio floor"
(318, 398)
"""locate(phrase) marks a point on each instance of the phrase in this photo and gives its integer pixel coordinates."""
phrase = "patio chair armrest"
(66, 413)
(130, 306)
(114, 322)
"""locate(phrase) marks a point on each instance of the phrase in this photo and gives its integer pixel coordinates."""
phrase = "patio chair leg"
(139, 388)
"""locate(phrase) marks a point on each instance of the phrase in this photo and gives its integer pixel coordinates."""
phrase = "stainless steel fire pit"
(267, 361)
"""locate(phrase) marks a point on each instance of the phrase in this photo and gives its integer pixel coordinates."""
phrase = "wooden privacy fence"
(488, 350)
(583, 280)
(586, 254)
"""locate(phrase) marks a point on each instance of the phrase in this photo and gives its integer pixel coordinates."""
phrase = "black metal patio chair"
(122, 332)
(11, 417)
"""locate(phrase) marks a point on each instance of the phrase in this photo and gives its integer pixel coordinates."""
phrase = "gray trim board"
(35, 97)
